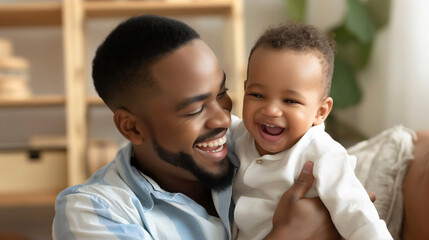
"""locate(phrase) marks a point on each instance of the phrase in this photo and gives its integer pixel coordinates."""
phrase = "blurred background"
(55, 132)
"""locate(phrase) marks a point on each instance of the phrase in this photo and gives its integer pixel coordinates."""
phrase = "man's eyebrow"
(223, 81)
(197, 98)
(191, 100)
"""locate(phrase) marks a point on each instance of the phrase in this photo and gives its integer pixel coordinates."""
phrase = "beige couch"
(395, 166)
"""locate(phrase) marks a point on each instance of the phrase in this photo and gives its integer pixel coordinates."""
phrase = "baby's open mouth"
(271, 129)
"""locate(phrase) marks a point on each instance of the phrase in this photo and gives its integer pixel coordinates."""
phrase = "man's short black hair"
(302, 38)
(123, 61)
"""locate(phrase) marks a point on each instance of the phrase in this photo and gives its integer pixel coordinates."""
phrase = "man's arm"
(299, 218)
(84, 216)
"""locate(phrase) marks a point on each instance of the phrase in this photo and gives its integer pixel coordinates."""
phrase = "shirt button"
(259, 161)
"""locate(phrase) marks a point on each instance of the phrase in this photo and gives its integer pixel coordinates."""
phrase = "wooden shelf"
(71, 16)
(28, 199)
(30, 14)
(95, 101)
(36, 101)
(42, 101)
(99, 8)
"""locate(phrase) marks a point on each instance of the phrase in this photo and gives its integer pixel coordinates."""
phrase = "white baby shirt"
(261, 181)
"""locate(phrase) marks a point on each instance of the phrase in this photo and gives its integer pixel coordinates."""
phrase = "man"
(173, 180)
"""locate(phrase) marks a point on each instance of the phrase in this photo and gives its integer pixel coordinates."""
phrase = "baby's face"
(283, 96)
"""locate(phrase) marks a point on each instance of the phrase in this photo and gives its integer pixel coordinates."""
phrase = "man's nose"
(220, 117)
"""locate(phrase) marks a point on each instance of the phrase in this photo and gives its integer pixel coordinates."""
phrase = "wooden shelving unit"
(28, 199)
(30, 14)
(103, 9)
(94, 101)
(36, 101)
(72, 16)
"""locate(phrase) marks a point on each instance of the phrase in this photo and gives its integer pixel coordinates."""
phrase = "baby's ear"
(323, 111)
(128, 126)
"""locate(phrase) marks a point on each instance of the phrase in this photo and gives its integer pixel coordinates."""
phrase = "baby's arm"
(352, 211)
(297, 217)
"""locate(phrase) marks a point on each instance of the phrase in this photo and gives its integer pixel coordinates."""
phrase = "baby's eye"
(289, 101)
(256, 95)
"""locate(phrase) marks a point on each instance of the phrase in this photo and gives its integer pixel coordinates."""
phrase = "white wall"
(395, 83)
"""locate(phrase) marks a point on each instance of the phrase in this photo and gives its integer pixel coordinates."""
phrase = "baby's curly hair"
(302, 38)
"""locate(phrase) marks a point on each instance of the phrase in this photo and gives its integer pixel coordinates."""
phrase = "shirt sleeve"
(85, 216)
(351, 210)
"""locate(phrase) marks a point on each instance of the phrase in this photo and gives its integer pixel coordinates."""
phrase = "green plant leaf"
(349, 49)
(359, 22)
(379, 11)
(356, 54)
(296, 9)
(341, 35)
(344, 88)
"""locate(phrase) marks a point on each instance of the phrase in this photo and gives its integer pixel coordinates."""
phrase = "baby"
(285, 104)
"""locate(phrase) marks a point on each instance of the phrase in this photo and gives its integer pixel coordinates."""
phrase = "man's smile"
(215, 145)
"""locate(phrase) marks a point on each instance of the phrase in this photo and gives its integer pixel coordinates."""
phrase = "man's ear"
(127, 125)
(323, 111)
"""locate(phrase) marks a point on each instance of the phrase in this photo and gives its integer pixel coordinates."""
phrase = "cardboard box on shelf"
(48, 141)
(100, 151)
(32, 171)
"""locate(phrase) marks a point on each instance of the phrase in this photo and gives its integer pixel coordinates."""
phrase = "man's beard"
(186, 161)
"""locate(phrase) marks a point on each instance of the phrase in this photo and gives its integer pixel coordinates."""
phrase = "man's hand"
(299, 218)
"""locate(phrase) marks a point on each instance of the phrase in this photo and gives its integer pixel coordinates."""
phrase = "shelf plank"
(76, 107)
(95, 101)
(35, 101)
(30, 14)
(28, 199)
(106, 8)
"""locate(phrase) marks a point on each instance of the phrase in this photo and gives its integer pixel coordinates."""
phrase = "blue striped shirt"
(119, 202)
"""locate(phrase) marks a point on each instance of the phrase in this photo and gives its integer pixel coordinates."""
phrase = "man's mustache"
(209, 135)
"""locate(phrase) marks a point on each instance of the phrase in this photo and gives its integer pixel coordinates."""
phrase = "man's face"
(187, 118)
(282, 97)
